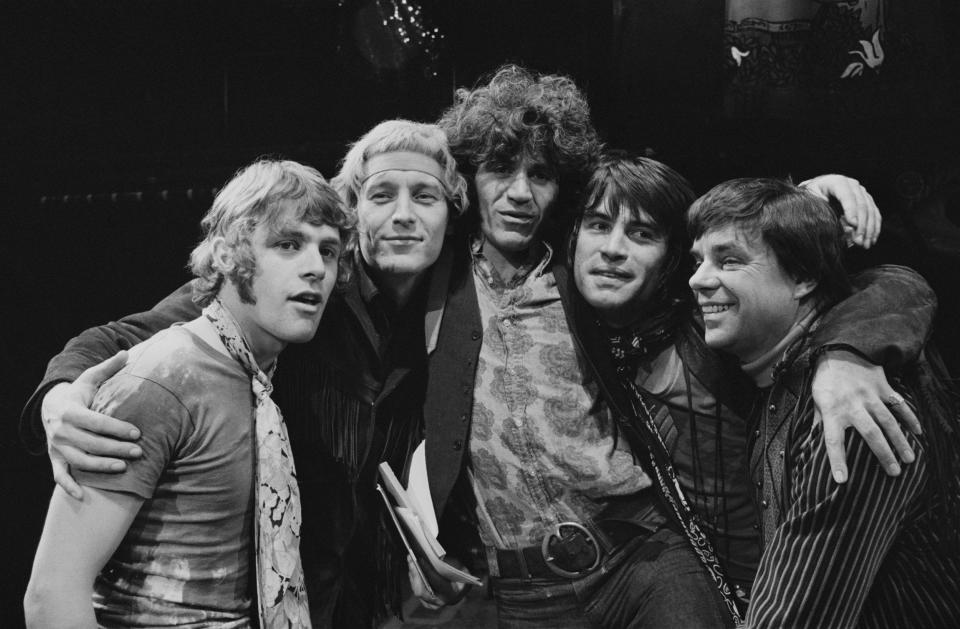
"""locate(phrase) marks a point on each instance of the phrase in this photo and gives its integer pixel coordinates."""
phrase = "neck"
(265, 348)
(507, 263)
(399, 289)
(761, 368)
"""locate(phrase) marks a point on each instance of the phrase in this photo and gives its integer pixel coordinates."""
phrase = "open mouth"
(714, 308)
(307, 298)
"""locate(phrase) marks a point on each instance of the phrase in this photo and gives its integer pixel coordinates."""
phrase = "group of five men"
(518, 298)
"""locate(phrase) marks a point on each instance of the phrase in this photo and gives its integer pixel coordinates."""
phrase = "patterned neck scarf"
(629, 347)
(281, 593)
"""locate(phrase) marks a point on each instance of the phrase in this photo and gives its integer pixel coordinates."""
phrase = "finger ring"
(895, 399)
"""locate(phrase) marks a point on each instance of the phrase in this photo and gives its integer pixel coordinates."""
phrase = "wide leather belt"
(570, 550)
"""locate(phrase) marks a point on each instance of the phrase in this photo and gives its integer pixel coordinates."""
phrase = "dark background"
(120, 118)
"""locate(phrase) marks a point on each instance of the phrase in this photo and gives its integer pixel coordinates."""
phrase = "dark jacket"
(886, 321)
(895, 536)
(346, 408)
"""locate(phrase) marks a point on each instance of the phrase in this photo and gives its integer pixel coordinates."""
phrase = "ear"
(803, 288)
(222, 256)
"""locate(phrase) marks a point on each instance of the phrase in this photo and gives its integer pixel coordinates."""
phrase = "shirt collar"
(538, 261)
(368, 289)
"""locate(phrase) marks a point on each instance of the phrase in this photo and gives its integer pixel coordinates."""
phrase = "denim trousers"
(656, 582)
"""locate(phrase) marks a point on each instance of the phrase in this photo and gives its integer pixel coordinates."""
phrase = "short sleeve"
(163, 421)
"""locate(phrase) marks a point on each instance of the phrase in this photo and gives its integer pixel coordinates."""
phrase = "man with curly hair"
(521, 449)
(171, 540)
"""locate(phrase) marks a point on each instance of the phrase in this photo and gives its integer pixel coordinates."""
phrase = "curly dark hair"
(519, 112)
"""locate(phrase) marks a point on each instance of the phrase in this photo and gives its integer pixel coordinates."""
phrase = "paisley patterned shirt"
(542, 450)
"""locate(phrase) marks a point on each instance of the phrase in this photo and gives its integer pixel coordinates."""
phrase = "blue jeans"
(656, 582)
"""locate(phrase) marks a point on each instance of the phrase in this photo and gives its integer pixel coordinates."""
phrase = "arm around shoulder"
(97, 344)
(887, 320)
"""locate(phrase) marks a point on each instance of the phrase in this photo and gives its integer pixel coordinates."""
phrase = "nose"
(314, 264)
(403, 209)
(704, 278)
(613, 245)
(519, 190)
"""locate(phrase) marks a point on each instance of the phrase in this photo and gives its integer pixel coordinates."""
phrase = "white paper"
(418, 490)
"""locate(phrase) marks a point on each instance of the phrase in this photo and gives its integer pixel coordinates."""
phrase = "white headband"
(405, 160)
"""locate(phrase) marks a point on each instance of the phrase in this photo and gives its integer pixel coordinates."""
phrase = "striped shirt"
(859, 554)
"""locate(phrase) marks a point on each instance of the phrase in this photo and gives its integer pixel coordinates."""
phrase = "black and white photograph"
(467, 314)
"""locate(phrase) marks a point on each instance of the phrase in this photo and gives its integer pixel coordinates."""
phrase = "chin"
(301, 336)
(404, 266)
(715, 340)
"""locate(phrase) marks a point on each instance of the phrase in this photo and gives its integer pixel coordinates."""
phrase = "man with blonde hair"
(170, 539)
(352, 397)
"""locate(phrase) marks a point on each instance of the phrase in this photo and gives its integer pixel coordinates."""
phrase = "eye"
(330, 252)
(501, 169)
(379, 196)
(597, 225)
(427, 197)
(729, 262)
(540, 176)
(288, 245)
(642, 234)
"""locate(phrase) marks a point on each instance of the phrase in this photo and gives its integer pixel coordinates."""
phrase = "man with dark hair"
(689, 404)
(517, 441)
(878, 551)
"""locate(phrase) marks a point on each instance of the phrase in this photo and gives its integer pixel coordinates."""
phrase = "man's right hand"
(80, 437)
(437, 592)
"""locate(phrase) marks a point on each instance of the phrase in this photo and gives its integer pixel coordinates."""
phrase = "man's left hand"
(849, 391)
(861, 217)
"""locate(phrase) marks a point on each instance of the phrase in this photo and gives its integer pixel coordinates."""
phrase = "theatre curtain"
(794, 58)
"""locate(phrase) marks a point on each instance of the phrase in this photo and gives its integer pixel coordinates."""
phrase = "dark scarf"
(630, 349)
(632, 346)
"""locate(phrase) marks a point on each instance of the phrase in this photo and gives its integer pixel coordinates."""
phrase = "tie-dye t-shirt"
(186, 559)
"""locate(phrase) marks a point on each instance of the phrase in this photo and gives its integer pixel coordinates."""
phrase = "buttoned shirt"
(541, 449)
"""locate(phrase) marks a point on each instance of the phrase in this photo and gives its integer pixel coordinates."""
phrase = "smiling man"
(516, 434)
(878, 551)
(520, 443)
(689, 404)
(352, 396)
(171, 540)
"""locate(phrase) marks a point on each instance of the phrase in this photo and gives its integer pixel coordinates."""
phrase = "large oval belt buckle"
(570, 550)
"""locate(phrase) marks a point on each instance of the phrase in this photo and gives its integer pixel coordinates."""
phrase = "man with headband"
(352, 397)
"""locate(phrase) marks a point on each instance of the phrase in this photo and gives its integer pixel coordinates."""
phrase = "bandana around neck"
(643, 341)
(282, 596)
